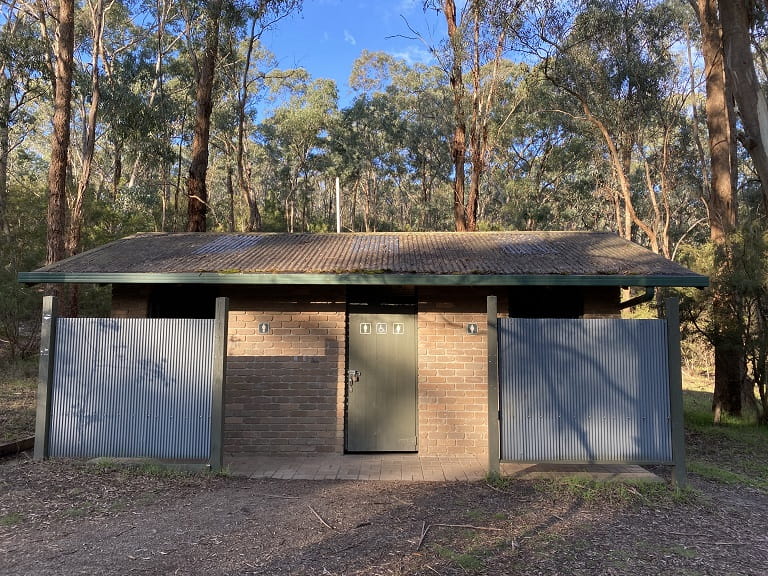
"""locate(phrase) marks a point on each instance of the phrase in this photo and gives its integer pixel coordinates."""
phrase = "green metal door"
(381, 383)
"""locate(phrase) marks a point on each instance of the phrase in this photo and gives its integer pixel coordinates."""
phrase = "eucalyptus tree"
(723, 51)
(22, 69)
(425, 104)
(368, 137)
(250, 68)
(393, 142)
(478, 37)
(294, 138)
(737, 20)
(400, 123)
(146, 105)
(97, 14)
(617, 70)
(204, 24)
(545, 172)
(61, 61)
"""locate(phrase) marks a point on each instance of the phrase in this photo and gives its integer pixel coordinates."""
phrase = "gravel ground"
(60, 517)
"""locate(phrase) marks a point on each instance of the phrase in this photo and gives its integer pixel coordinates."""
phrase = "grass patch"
(18, 393)
(76, 513)
(721, 473)
(599, 493)
(466, 561)
(12, 519)
(734, 452)
(682, 551)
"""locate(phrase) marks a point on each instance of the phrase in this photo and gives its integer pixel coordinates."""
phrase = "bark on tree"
(471, 119)
(459, 140)
(722, 209)
(74, 235)
(735, 19)
(197, 191)
(243, 172)
(5, 112)
(60, 137)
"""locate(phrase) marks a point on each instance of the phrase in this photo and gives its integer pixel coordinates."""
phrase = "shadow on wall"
(591, 390)
(278, 404)
(132, 388)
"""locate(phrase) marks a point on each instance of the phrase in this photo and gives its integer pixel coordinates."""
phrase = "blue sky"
(329, 35)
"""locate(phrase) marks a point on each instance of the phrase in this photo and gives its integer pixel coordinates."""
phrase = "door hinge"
(499, 415)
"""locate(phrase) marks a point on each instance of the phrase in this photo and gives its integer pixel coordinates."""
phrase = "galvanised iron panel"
(138, 388)
(593, 390)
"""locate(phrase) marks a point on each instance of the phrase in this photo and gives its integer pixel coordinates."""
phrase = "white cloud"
(409, 6)
(415, 55)
(348, 38)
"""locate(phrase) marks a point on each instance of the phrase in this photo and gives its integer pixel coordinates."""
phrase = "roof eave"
(657, 280)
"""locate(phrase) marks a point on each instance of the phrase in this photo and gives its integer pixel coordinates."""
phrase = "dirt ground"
(74, 518)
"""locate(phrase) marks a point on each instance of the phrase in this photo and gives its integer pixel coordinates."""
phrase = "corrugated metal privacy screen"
(132, 388)
(591, 390)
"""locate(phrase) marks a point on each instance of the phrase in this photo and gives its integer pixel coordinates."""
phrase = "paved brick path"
(412, 467)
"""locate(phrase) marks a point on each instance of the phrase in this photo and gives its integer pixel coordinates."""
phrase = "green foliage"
(21, 249)
(743, 274)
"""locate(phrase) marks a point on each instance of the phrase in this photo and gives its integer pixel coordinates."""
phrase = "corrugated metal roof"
(484, 255)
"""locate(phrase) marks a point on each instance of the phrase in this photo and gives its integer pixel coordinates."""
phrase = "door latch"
(353, 376)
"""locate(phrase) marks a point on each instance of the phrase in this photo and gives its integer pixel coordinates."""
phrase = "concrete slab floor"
(412, 467)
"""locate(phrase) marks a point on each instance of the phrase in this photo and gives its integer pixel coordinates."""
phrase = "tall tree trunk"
(722, 211)
(6, 87)
(231, 197)
(243, 177)
(735, 18)
(60, 137)
(702, 157)
(74, 236)
(459, 141)
(197, 190)
(117, 173)
(163, 12)
(621, 175)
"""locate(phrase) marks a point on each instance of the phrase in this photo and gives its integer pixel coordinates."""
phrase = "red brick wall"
(285, 389)
(453, 372)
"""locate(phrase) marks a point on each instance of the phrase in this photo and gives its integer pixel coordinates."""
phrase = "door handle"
(352, 377)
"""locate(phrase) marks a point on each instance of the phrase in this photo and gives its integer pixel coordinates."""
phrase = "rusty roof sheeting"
(423, 253)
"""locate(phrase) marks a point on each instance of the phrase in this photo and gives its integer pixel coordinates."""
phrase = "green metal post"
(675, 391)
(45, 377)
(219, 380)
(494, 459)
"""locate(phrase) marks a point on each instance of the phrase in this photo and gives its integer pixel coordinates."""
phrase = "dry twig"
(320, 518)
(426, 527)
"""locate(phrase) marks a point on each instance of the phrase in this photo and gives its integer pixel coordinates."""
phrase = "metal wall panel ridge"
(138, 388)
(593, 390)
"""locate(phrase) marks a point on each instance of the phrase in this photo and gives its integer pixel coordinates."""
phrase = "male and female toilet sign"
(381, 328)
(398, 328)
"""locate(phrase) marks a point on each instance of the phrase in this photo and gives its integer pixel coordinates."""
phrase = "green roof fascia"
(659, 280)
